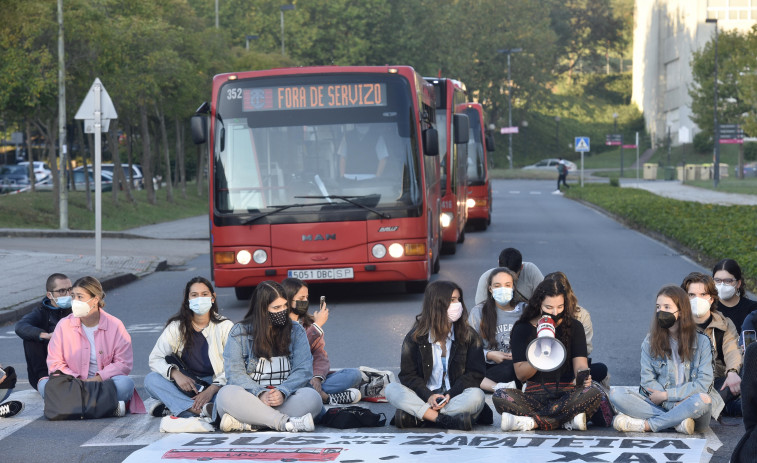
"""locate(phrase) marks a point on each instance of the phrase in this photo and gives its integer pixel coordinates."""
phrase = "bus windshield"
(476, 171)
(325, 144)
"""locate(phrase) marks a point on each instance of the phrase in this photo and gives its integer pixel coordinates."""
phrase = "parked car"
(551, 164)
(107, 169)
(80, 181)
(13, 177)
(750, 169)
(41, 169)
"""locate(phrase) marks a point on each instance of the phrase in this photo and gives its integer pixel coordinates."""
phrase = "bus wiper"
(279, 209)
(350, 199)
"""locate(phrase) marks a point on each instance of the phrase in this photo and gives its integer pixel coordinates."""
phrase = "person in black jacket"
(746, 449)
(36, 327)
(441, 366)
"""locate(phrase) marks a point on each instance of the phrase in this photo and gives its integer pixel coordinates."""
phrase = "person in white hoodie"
(187, 360)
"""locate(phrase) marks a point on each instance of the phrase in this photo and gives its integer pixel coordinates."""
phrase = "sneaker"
(11, 408)
(207, 410)
(229, 423)
(510, 385)
(578, 423)
(403, 419)
(302, 423)
(350, 396)
(120, 409)
(686, 426)
(517, 423)
(194, 424)
(625, 423)
(158, 410)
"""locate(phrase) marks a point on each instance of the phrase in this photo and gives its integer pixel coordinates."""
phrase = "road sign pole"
(98, 180)
(637, 157)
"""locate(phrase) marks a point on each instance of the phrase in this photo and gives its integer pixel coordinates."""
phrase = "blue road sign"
(582, 144)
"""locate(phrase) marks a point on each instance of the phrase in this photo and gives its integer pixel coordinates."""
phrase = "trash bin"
(650, 171)
(705, 172)
(670, 173)
(679, 173)
(692, 171)
(723, 169)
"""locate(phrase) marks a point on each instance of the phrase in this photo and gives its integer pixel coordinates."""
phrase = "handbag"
(352, 416)
(200, 384)
(70, 398)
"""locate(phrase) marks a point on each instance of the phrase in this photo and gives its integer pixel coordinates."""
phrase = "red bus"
(453, 145)
(264, 454)
(479, 188)
(323, 174)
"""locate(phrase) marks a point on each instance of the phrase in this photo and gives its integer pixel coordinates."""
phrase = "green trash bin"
(670, 173)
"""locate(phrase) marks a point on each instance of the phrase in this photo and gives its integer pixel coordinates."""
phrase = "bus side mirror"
(461, 127)
(199, 127)
(489, 142)
(431, 142)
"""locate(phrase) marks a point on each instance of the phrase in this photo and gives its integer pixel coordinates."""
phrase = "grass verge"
(706, 232)
(36, 210)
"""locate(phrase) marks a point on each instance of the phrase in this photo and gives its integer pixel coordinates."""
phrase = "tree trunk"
(146, 154)
(30, 157)
(130, 154)
(166, 153)
(119, 180)
(48, 130)
(85, 166)
(181, 168)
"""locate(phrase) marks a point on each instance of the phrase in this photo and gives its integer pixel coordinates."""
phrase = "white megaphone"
(545, 353)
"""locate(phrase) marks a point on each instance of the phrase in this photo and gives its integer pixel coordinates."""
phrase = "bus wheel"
(416, 286)
(461, 238)
(243, 293)
(437, 266)
(449, 248)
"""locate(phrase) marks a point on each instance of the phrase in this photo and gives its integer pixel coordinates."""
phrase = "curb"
(42, 233)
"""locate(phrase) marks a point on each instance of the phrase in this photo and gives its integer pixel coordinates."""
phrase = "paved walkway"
(676, 190)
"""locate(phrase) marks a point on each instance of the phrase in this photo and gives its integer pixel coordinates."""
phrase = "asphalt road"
(614, 271)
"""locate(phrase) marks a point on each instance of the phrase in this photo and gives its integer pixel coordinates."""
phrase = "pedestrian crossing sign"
(582, 144)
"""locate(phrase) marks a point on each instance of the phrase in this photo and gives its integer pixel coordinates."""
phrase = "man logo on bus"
(319, 237)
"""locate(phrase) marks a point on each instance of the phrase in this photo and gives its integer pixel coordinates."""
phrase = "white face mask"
(502, 295)
(200, 305)
(454, 311)
(80, 308)
(725, 291)
(699, 307)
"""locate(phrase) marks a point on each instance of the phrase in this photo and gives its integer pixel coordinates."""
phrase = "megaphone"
(545, 353)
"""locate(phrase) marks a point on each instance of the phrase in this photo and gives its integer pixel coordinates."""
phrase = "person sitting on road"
(337, 387)
(746, 448)
(676, 374)
(93, 345)
(551, 399)
(732, 292)
(187, 360)
(441, 365)
(268, 369)
(703, 297)
(494, 320)
(529, 276)
(7, 383)
(36, 327)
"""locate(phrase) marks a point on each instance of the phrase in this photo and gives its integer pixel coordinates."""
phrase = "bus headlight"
(379, 251)
(446, 219)
(396, 250)
(244, 257)
(260, 256)
(470, 202)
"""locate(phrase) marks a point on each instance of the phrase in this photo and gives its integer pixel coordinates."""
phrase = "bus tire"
(243, 293)
(449, 248)
(416, 286)
(436, 266)
(461, 238)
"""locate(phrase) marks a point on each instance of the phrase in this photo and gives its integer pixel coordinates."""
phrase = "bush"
(614, 181)
(703, 142)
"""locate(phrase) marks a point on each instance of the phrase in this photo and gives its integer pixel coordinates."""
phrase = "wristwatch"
(732, 370)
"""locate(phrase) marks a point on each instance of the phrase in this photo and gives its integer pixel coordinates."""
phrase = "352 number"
(234, 94)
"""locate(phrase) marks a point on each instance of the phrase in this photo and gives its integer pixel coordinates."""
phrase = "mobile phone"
(440, 400)
(749, 337)
(581, 376)
(323, 301)
(643, 391)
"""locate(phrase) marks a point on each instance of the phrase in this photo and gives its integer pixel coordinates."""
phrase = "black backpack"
(352, 416)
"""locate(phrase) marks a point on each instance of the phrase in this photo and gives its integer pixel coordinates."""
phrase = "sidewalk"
(674, 189)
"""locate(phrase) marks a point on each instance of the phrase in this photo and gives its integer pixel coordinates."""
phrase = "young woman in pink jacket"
(93, 345)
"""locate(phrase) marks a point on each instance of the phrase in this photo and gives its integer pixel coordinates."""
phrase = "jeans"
(169, 393)
(470, 401)
(663, 416)
(6, 394)
(247, 408)
(124, 387)
(342, 380)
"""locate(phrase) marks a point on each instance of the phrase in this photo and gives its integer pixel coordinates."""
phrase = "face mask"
(300, 308)
(665, 319)
(63, 302)
(200, 305)
(80, 308)
(556, 317)
(278, 318)
(699, 306)
(725, 291)
(502, 295)
(454, 311)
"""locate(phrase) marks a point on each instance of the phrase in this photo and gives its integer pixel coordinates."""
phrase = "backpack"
(352, 416)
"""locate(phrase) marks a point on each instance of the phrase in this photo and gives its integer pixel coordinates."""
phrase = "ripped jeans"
(663, 416)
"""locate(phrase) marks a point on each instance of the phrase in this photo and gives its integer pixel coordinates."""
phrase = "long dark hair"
(732, 267)
(184, 315)
(551, 288)
(709, 286)
(659, 338)
(433, 318)
(267, 340)
(291, 287)
(488, 325)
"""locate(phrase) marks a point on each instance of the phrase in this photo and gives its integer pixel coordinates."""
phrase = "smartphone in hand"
(441, 400)
(643, 391)
(323, 302)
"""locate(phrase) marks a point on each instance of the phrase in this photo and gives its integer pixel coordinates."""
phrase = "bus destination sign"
(314, 97)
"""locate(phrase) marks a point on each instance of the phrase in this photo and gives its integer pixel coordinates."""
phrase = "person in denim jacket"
(676, 374)
(268, 367)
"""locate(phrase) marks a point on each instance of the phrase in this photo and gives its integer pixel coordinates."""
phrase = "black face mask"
(278, 318)
(665, 319)
(555, 318)
(300, 308)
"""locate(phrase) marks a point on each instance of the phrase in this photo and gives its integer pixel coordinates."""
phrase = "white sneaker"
(578, 423)
(625, 423)
(510, 385)
(302, 423)
(194, 424)
(517, 423)
(120, 409)
(229, 423)
(349, 396)
(686, 426)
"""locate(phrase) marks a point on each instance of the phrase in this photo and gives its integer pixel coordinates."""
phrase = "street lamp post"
(247, 41)
(715, 125)
(510, 51)
(282, 9)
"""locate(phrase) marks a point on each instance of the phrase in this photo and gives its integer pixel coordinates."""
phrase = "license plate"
(323, 274)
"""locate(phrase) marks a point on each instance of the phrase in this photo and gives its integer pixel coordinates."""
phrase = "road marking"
(514, 192)
(534, 192)
(140, 430)
(33, 409)
(145, 328)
